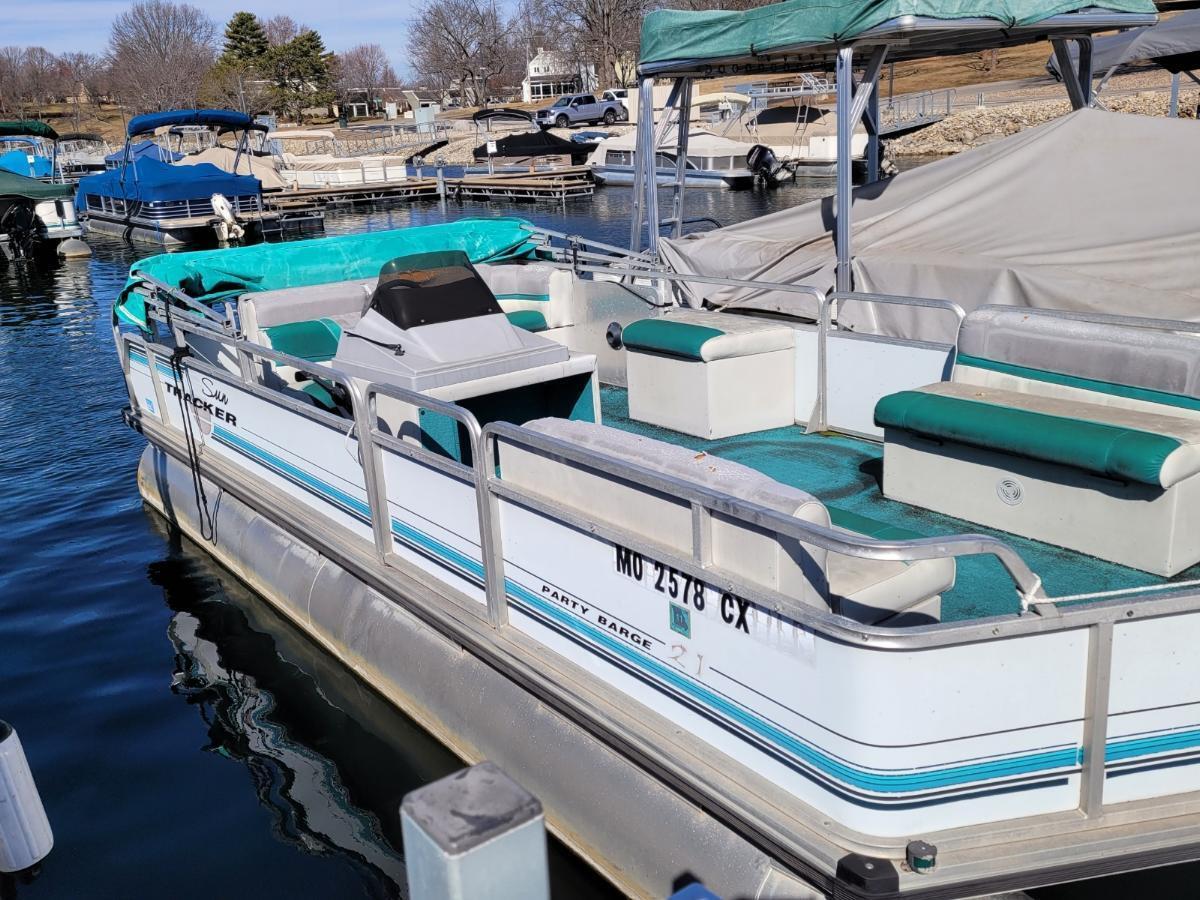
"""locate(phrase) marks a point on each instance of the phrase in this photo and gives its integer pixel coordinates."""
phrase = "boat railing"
(705, 503)
(828, 307)
(913, 110)
(1102, 611)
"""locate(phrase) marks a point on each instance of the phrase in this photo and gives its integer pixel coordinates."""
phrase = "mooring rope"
(208, 531)
(1119, 592)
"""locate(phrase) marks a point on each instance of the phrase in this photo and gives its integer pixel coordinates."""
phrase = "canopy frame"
(908, 37)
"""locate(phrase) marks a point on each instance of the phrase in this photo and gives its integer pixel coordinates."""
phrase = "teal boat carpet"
(845, 473)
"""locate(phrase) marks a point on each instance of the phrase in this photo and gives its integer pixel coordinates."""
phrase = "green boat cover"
(677, 35)
(1125, 454)
(212, 276)
(682, 339)
(14, 185)
(27, 128)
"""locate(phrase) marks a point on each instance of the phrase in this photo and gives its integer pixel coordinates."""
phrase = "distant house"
(552, 73)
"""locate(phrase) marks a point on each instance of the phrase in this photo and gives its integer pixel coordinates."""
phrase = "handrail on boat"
(705, 502)
(825, 325)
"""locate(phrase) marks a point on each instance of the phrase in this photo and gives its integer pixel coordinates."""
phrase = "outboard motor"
(19, 222)
(761, 160)
(228, 225)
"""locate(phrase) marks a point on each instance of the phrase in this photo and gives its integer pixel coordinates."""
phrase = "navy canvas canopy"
(226, 119)
(148, 180)
(145, 150)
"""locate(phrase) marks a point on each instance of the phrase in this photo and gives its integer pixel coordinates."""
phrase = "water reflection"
(328, 757)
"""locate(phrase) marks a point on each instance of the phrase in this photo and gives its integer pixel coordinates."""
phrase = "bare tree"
(363, 68)
(461, 40)
(83, 75)
(605, 31)
(12, 60)
(39, 79)
(281, 29)
(160, 52)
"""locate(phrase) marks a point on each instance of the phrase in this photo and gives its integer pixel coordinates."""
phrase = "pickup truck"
(576, 108)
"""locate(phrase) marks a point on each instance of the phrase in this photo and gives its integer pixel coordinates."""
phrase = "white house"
(552, 73)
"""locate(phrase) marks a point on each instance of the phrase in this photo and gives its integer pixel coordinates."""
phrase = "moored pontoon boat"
(712, 161)
(35, 216)
(29, 148)
(82, 153)
(689, 616)
(148, 198)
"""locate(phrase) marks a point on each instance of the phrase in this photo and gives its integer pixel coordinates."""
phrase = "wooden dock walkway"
(513, 187)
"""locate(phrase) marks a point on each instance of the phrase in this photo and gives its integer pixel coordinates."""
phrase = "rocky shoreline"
(969, 128)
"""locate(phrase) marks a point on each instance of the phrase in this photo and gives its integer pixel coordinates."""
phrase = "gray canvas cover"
(1077, 214)
(1171, 39)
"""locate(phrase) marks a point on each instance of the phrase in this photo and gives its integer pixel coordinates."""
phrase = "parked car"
(621, 95)
(573, 109)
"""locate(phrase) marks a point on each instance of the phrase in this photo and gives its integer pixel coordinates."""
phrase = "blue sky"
(83, 25)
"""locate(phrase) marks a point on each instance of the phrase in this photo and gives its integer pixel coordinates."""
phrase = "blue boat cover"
(18, 161)
(145, 149)
(148, 180)
(225, 118)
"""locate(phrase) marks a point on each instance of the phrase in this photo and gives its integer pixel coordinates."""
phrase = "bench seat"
(1081, 433)
(1123, 444)
(710, 374)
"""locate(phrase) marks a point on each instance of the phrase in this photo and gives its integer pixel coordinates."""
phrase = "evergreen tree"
(245, 40)
(300, 74)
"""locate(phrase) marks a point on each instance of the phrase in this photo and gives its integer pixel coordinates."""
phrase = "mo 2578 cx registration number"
(681, 587)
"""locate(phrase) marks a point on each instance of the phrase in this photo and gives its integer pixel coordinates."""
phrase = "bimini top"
(14, 185)
(27, 128)
(799, 33)
(225, 119)
(82, 136)
(1173, 44)
(501, 113)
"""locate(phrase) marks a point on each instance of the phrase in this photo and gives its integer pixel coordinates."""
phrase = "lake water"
(186, 740)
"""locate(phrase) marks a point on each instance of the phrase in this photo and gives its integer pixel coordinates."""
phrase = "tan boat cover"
(262, 168)
(1095, 211)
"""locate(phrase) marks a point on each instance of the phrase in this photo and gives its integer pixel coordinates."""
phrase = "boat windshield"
(429, 288)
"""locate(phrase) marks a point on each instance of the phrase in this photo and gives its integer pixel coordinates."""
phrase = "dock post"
(476, 833)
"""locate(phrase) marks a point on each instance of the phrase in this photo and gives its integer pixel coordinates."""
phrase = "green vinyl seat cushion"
(707, 335)
(528, 319)
(682, 339)
(315, 340)
(1113, 451)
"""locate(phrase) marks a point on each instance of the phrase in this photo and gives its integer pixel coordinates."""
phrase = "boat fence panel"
(849, 406)
(432, 517)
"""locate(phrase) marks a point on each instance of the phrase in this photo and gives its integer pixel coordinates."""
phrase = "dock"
(514, 187)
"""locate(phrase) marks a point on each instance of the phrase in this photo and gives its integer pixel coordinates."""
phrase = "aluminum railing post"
(681, 152)
(491, 541)
(371, 461)
(845, 130)
(1095, 722)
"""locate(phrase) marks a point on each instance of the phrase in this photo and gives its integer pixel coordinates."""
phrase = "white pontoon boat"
(315, 159)
(791, 607)
(712, 161)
